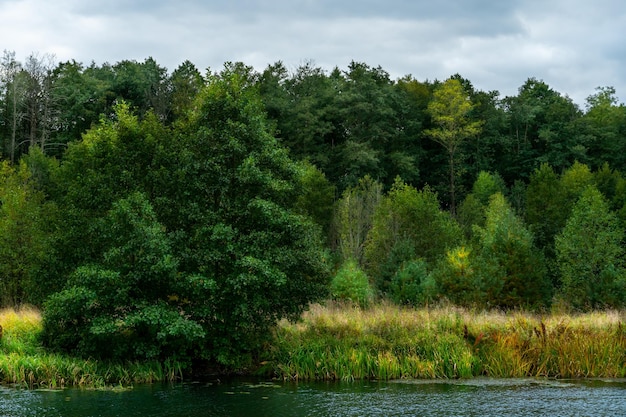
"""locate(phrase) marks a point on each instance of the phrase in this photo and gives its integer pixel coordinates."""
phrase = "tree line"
(182, 214)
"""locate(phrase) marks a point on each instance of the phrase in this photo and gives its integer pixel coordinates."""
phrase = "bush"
(352, 284)
(413, 284)
(124, 307)
(458, 278)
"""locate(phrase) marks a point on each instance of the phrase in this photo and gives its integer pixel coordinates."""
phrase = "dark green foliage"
(401, 251)
(459, 278)
(509, 258)
(317, 196)
(231, 256)
(129, 304)
(413, 284)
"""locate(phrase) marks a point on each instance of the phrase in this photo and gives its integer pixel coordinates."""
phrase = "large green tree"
(224, 193)
(510, 262)
(590, 255)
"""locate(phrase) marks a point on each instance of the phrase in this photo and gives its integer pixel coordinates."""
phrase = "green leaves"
(590, 255)
(450, 109)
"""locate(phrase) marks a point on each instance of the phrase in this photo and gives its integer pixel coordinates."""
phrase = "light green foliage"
(413, 284)
(472, 210)
(24, 243)
(450, 109)
(354, 217)
(574, 181)
(590, 255)
(514, 270)
(351, 283)
(486, 185)
(407, 216)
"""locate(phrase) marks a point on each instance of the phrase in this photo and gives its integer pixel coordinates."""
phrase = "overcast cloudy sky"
(572, 45)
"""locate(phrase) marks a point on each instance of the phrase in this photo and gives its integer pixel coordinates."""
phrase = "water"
(477, 397)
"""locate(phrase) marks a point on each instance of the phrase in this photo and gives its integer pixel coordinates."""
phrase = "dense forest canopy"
(184, 213)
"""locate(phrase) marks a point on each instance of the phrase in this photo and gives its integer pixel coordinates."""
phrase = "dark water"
(480, 397)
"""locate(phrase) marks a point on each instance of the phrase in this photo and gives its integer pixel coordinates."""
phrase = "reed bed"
(24, 362)
(340, 342)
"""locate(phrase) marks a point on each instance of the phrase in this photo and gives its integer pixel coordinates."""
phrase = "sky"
(574, 46)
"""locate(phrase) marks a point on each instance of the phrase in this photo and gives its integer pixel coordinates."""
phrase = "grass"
(24, 362)
(388, 342)
(340, 342)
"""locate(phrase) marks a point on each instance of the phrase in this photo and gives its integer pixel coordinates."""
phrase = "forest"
(153, 215)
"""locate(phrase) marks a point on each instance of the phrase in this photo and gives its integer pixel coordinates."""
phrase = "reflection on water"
(475, 397)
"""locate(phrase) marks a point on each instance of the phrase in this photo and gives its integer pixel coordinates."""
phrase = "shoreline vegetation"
(344, 342)
(25, 363)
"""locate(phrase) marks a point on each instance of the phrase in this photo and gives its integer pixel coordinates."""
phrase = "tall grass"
(388, 342)
(23, 361)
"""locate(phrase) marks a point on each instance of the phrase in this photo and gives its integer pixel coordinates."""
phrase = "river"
(233, 398)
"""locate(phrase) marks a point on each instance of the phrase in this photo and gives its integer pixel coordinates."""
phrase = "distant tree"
(450, 109)
(354, 216)
(604, 126)
(186, 82)
(317, 196)
(472, 209)
(542, 126)
(13, 84)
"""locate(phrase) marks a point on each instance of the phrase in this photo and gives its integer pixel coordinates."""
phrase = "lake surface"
(476, 397)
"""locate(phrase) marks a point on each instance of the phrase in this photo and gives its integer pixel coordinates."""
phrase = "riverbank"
(387, 342)
(24, 362)
(336, 342)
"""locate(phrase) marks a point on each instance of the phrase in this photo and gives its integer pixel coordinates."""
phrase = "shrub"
(413, 284)
(352, 284)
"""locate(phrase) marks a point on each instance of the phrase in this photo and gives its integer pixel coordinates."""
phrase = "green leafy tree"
(472, 210)
(408, 217)
(186, 82)
(129, 304)
(413, 284)
(459, 279)
(317, 196)
(542, 125)
(234, 225)
(603, 124)
(450, 109)
(354, 216)
(224, 191)
(510, 259)
(24, 237)
(590, 255)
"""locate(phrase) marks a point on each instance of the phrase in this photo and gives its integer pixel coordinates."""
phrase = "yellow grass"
(347, 342)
